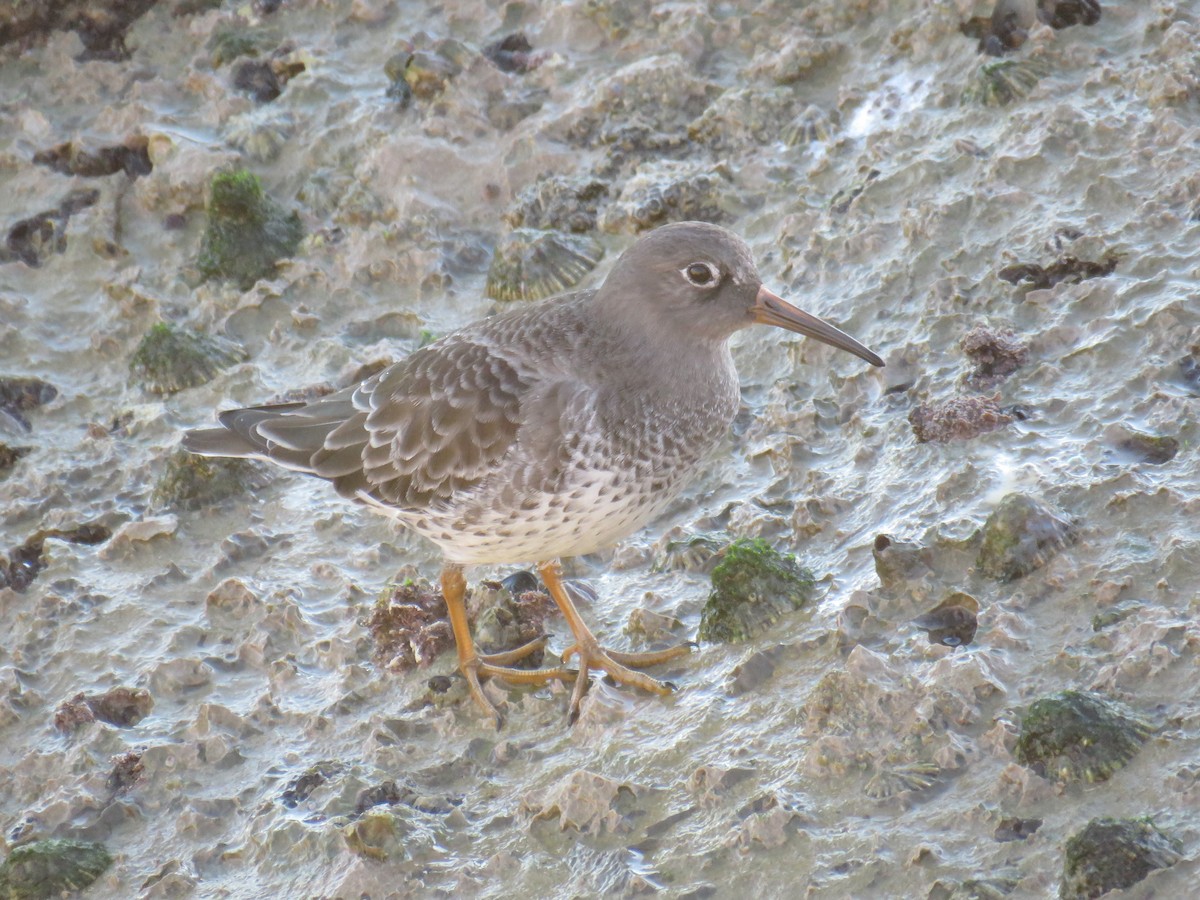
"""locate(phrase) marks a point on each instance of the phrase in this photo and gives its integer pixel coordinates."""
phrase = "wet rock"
(1153, 449)
(309, 780)
(71, 158)
(409, 626)
(755, 670)
(899, 561)
(377, 835)
(126, 772)
(141, 531)
(752, 587)
(1000, 83)
(46, 869)
(585, 802)
(228, 44)
(171, 358)
(505, 620)
(427, 72)
(247, 231)
(1072, 736)
(891, 780)
(231, 604)
(100, 24)
(258, 79)
(505, 110)
(528, 264)
(189, 481)
(957, 419)
(985, 888)
(811, 125)
(20, 394)
(744, 117)
(1065, 13)
(844, 198)
(512, 53)
(9, 456)
(1020, 535)
(35, 239)
(996, 354)
(22, 564)
(1014, 829)
(387, 793)
(663, 191)
(1189, 370)
(690, 553)
(1006, 29)
(1109, 854)
(119, 706)
(952, 622)
(768, 821)
(650, 625)
(562, 202)
(1065, 268)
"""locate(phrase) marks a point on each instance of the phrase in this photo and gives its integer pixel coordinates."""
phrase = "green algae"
(171, 358)
(47, 869)
(1074, 736)
(247, 233)
(752, 587)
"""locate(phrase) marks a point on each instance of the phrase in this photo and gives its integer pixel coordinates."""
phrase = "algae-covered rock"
(47, 869)
(247, 231)
(1073, 735)
(1019, 536)
(189, 481)
(172, 358)
(1114, 853)
(376, 835)
(753, 586)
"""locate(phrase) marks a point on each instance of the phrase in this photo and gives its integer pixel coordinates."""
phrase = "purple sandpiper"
(552, 430)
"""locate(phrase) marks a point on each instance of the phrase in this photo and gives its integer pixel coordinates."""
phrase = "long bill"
(770, 309)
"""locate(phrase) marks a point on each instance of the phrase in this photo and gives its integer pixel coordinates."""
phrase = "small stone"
(171, 358)
(1109, 854)
(1019, 536)
(996, 354)
(1066, 268)
(752, 587)
(20, 394)
(1014, 829)
(899, 561)
(189, 481)
(247, 231)
(957, 419)
(1152, 449)
(952, 622)
(1073, 736)
(258, 79)
(512, 53)
(46, 869)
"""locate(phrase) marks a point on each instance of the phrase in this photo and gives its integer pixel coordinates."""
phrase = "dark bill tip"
(769, 309)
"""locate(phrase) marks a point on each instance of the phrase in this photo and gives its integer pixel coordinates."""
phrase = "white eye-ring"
(701, 274)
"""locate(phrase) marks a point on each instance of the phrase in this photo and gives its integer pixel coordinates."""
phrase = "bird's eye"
(702, 274)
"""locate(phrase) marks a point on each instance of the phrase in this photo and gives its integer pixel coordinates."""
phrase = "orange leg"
(619, 666)
(474, 665)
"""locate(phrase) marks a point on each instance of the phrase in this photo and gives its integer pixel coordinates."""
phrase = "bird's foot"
(619, 666)
(499, 665)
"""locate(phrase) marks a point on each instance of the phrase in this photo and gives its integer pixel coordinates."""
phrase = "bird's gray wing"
(430, 426)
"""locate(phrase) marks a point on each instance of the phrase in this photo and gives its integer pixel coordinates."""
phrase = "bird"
(552, 430)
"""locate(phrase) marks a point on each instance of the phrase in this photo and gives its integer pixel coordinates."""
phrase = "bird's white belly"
(599, 510)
